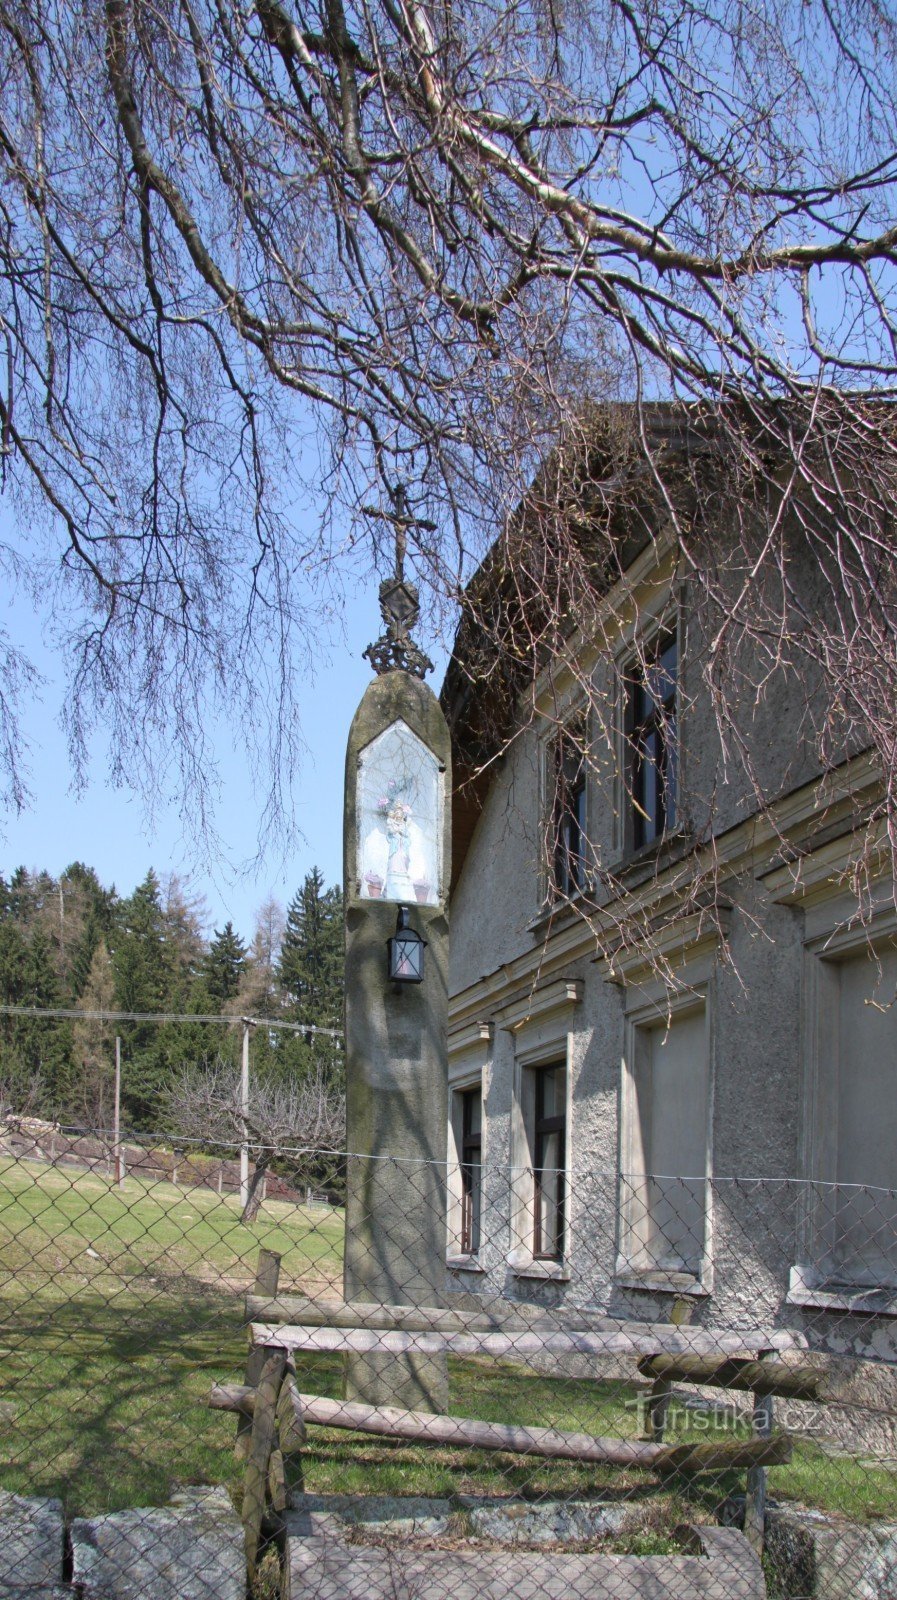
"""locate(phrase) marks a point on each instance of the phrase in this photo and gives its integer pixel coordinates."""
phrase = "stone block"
(405, 1516)
(723, 1567)
(816, 1556)
(546, 1521)
(189, 1550)
(44, 1591)
(31, 1546)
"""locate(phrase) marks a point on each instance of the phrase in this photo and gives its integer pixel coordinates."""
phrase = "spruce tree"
(141, 970)
(224, 963)
(34, 1048)
(311, 957)
(90, 913)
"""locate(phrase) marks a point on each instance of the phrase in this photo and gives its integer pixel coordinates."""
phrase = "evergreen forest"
(69, 943)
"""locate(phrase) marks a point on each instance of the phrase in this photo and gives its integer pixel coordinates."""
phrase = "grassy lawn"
(119, 1309)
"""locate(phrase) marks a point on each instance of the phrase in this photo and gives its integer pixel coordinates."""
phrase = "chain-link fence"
(424, 1383)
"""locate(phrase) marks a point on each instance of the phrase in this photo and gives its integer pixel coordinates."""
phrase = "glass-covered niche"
(399, 817)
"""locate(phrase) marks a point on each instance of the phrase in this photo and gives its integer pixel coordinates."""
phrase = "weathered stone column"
(396, 853)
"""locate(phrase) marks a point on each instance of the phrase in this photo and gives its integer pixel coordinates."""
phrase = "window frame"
(661, 615)
(544, 1128)
(648, 1003)
(571, 725)
(828, 943)
(657, 721)
(462, 1081)
(549, 1039)
(471, 1172)
(569, 820)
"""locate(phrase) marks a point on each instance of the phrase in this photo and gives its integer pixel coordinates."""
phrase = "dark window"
(471, 1169)
(651, 742)
(569, 816)
(549, 1160)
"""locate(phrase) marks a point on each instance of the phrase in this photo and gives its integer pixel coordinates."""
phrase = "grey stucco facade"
(728, 940)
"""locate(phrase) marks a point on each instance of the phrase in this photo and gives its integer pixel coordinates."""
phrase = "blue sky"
(105, 827)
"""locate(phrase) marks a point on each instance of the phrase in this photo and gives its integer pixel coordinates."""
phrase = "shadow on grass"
(106, 1404)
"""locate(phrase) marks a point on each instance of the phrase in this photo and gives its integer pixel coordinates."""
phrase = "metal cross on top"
(395, 650)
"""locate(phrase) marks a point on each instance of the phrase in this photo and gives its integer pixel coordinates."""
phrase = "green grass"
(119, 1309)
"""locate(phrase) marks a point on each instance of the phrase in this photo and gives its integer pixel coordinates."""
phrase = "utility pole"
(119, 1165)
(244, 1115)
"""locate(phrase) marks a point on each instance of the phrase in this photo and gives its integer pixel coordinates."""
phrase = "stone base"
(819, 1557)
(516, 1522)
(190, 1550)
(320, 1561)
(44, 1591)
(31, 1547)
(407, 1516)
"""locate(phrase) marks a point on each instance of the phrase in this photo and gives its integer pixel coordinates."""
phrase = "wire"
(165, 1016)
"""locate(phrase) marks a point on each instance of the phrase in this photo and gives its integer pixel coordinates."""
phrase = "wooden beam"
(329, 1313)
(466, 1433)
(726, 1455)
(393, 1341)
(239, 1397)
(819, 1376)
(432, 1428)
(760, 1377)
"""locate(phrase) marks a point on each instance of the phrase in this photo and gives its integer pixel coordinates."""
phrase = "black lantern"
(405, 952)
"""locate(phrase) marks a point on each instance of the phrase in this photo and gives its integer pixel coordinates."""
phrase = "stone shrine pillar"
(396, 854)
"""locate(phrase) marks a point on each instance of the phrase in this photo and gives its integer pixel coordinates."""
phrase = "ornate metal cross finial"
(395, 650)
(401, 523)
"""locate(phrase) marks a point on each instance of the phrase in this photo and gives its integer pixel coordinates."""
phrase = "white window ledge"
(831, 1296)
(464, 1264)
(654, 1281)
(527, 1267)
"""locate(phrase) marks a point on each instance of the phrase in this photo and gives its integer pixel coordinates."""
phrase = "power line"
(166, 1016)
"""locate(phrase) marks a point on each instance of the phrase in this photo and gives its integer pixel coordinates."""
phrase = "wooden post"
(662, 1388)
(118, 1164)
(262, 1445)
(755, 1495)
(267, 1278)
(244, 1110)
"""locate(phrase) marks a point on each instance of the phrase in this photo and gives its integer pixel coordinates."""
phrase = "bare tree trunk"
(256, 1192)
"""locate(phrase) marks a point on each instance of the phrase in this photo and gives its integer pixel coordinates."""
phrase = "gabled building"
(673, 1057)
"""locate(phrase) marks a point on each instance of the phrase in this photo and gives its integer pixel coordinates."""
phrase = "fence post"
(662, 1388)
(267, 1279)
(755, 1495)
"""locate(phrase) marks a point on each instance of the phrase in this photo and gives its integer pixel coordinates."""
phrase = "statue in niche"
(399, 816)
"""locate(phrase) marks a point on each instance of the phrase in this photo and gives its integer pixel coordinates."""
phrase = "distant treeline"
(68, 942)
